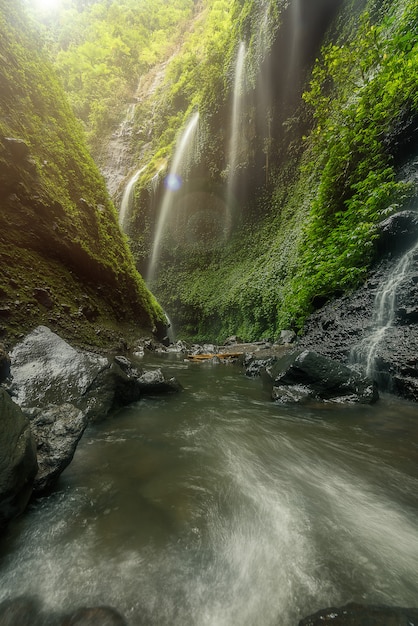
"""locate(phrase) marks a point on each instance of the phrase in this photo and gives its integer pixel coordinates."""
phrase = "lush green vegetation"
(316, 239)
(101, 49)
(319, 170)
(55, 207)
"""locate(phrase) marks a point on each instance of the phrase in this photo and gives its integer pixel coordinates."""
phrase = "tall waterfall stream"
(215, 507)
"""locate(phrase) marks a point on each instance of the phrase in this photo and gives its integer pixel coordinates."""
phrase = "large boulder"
(57, 431)
(61, 389)
(306, 375)
(18, 465)
(362, 615)
(47, 370)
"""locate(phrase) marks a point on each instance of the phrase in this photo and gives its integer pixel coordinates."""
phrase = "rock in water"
(47, 370)
(18, 465)
(57, 431)
(305, 375)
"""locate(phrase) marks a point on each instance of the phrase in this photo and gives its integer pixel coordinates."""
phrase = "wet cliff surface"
(376, 326)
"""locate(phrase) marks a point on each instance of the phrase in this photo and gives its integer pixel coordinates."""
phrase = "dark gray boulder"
(398, 232)
(300, 376)
(47, 370)
(57, 431)
(18, 465)
(61, 389)
(363, 615)
(154, 382)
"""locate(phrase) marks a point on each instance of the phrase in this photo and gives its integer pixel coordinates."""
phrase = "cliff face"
(64, 262)
(272, 222)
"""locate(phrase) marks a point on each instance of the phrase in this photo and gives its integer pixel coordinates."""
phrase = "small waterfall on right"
(384, 313)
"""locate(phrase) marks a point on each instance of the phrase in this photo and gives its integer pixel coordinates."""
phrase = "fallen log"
(221, 355)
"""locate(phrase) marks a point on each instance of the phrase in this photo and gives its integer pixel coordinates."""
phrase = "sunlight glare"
(47, 5)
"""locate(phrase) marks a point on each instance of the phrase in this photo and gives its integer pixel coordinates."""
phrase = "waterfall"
(236, 140)
(127, 198)
(173, 183)
(383, 313)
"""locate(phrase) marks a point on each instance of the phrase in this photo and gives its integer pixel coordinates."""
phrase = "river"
(215, 507)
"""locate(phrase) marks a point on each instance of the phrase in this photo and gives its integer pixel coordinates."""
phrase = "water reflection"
(215, 507)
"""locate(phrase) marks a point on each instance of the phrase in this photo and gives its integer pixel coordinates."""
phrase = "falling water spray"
(184, 148)
(236, 141)
(127, 198)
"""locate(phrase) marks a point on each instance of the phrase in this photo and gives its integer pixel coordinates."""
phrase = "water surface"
(215, 507)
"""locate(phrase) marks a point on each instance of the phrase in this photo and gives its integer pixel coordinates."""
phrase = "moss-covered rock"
(59, 234)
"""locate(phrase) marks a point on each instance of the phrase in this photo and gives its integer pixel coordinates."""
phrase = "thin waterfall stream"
(236, 139)
(127, 198)
(216, 507)
(384, 312)
(184, 148)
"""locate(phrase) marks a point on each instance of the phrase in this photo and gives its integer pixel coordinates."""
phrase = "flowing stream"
(215, 507)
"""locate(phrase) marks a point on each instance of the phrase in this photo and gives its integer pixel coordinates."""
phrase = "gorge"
(244, 173)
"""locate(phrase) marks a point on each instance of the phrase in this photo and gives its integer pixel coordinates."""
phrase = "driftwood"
(222, 355)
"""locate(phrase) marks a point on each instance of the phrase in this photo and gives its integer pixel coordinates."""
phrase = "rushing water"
(215, 507)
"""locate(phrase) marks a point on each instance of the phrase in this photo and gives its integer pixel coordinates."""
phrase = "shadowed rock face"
(18, 464)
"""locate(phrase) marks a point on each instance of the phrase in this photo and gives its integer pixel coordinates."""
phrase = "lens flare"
(173, 182)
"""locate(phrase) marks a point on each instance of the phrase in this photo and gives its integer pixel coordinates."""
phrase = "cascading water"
(184, 148)
(236, 139)
(384, 312)
(127, 198)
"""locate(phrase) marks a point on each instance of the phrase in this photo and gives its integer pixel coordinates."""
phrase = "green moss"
(55, 207)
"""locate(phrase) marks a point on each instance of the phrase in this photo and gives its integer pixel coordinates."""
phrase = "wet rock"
(18, 465)
(398, 232)
(302, 375)
(154, 381)
(363, 615)
(60, 389)
(4, 364)
(57, 431)
(344, 323)
(287, 336)
(47, 370)
(254, 367)
(43, 297)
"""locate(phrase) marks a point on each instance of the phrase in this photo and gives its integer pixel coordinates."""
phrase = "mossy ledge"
(64, 261)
